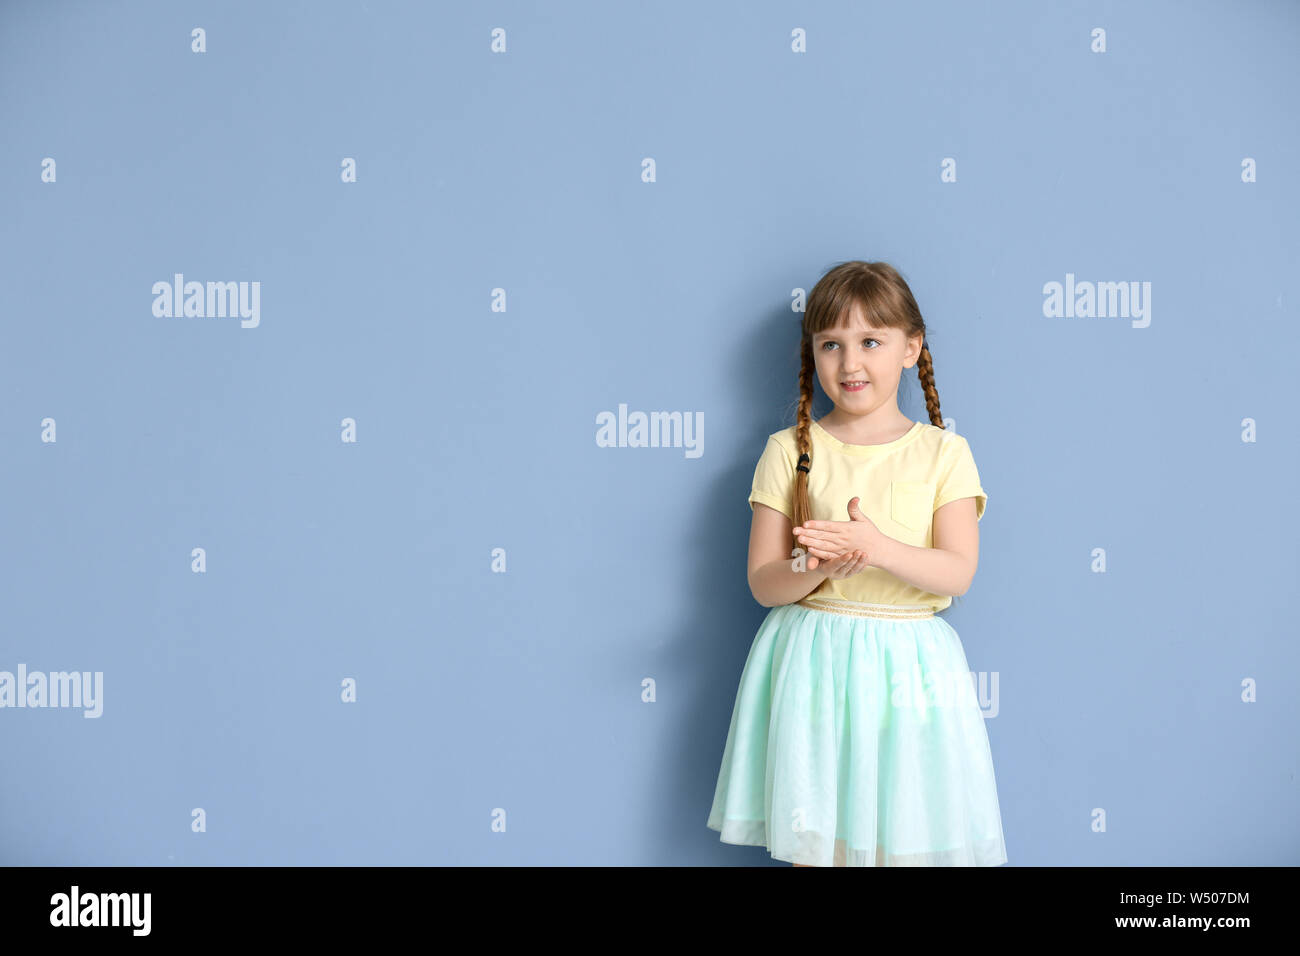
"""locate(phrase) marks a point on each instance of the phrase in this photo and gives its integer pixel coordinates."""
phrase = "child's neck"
(876, 428)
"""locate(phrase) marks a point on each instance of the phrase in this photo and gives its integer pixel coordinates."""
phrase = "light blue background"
(476, 428)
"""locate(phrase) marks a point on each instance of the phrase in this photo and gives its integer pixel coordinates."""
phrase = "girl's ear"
(913, 352)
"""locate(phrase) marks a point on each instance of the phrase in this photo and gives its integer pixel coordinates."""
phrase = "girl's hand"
(846, 565)
(828, 540)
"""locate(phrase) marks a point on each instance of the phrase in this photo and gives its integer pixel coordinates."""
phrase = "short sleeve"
(958, 476)
(774, 479)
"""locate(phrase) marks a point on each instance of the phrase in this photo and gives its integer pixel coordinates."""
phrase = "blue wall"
(985, 151)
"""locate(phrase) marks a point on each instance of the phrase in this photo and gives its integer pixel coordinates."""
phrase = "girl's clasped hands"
(840, 548)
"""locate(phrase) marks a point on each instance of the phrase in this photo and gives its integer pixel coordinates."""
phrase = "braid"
(925, 372)
(803, 440)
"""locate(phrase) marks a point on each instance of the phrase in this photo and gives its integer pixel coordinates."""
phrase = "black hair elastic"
(801, 466)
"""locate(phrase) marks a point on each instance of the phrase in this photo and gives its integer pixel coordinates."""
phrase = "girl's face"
(856, 353)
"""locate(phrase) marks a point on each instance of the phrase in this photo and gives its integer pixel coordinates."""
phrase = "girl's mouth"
(854, 386)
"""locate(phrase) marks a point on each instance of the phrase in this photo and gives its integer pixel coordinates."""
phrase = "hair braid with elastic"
(802, 436)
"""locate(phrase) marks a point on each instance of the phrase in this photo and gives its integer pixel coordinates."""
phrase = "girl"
(856, 738)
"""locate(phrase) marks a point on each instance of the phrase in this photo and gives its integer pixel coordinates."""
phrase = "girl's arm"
(947, 568)
(772, 578)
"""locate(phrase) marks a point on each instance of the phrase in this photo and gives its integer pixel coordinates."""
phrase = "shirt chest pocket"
(911, 503)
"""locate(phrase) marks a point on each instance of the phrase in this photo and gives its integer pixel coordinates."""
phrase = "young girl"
(856, 738)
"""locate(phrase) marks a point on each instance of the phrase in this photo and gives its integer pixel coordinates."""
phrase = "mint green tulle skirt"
(857, 739)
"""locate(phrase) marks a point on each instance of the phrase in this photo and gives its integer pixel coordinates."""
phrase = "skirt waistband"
(897, 612)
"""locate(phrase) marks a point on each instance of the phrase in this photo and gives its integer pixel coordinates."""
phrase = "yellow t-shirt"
(901, 484)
